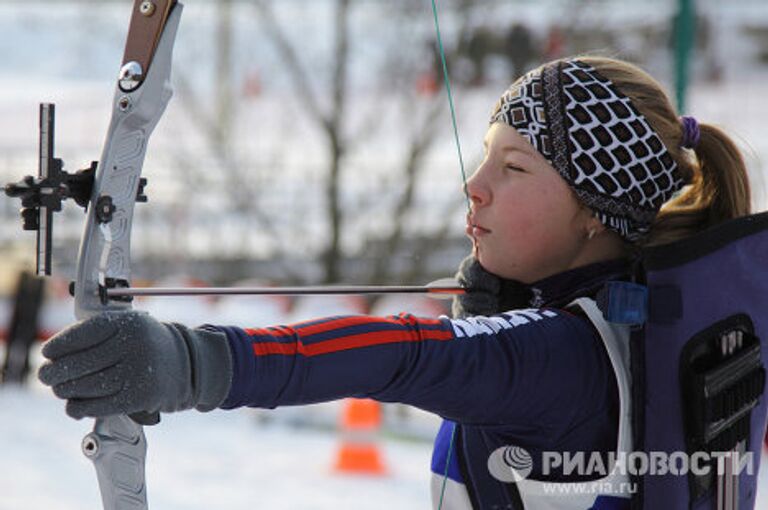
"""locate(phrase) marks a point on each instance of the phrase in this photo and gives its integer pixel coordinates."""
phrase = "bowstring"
(447, 83)
(447, 463)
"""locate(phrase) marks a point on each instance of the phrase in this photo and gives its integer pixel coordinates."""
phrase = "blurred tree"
(334, 107)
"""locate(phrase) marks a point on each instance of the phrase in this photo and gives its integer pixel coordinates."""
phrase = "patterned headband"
(596, 140)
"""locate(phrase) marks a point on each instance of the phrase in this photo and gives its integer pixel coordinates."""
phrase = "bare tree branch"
(331, 123)
(335, 138)
(422, 139)
(239, 186)
(419, 144)
(289, 55)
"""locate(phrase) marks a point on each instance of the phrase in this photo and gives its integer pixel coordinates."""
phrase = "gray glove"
(482, 296)
(487, 293)
(128, 362)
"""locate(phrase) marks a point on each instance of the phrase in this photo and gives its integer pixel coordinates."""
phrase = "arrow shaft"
(284, 291)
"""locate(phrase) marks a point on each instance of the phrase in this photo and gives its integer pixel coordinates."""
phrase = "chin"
(490, 266)
(503, 271)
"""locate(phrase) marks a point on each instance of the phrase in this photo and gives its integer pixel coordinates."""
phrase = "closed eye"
(514, 168)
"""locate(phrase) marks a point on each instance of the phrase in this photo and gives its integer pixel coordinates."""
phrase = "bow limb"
(117, 445)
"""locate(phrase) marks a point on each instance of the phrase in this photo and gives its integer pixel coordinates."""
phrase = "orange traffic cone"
(359, 451)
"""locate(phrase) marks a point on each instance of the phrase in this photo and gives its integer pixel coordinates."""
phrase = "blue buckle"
(624, 303)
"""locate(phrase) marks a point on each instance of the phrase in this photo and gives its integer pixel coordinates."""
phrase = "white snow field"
(224, 460)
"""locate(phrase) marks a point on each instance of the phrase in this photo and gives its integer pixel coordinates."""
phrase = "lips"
(475, 230)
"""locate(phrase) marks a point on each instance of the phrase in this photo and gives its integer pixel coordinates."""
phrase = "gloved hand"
(482, 296)
(487, 293)
(128, 362)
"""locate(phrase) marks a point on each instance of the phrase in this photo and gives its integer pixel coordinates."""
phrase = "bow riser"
(104, 255)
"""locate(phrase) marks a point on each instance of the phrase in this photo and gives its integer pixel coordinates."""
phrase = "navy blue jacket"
(538, 378)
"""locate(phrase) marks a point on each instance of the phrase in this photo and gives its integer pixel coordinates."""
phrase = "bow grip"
(118, 448)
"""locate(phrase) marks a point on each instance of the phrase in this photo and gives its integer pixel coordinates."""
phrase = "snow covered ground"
(196, 461)
(227, 460)
(233, 460)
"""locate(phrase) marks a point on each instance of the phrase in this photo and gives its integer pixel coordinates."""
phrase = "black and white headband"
(596, 140)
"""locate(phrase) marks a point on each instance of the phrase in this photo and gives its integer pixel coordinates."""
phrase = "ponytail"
(717, 182)
(718, 190)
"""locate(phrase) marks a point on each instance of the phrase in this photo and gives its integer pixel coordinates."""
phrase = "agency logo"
(510, 464)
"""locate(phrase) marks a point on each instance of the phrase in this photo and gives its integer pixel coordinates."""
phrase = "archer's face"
(525, 221)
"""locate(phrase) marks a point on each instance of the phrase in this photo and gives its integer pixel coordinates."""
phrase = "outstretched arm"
(521, 367)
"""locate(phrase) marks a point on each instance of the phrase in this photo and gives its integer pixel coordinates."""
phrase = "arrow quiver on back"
(698, 367)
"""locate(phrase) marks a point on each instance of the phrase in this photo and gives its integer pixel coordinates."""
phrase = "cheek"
(540, 233)
(541, 211)
(522, 224)
(543, 222)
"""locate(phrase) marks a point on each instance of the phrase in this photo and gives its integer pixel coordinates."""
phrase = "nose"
(477, 189)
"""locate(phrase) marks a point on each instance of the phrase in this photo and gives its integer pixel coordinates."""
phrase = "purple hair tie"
(691, 133)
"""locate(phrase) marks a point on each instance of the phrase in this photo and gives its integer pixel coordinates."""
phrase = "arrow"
(444, 288)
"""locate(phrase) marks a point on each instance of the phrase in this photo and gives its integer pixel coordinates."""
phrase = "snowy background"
(66, 52)
(234, 460)
(228, 460)
(199, 461)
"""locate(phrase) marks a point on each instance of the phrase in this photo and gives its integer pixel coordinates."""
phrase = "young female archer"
(585, 161)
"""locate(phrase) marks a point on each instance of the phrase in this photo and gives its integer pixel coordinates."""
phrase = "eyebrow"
(507, 148)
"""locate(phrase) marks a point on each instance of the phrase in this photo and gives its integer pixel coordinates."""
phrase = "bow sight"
(43, 195)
